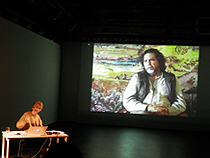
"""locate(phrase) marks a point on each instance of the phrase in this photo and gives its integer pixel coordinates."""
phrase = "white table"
(21, 134)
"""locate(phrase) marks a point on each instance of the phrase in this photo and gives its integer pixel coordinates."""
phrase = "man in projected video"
(153, 90)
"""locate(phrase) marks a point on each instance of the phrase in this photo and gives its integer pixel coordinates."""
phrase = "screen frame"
(115, 56)
(185, 123)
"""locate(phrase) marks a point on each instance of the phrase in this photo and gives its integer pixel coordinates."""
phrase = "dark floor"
(100, 141)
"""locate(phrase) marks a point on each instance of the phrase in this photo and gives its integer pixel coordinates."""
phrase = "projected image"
(116, 65)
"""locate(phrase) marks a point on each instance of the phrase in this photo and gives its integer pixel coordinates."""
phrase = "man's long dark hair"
(159, 56)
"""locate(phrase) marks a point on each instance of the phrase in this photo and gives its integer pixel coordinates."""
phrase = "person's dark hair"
(159, 56)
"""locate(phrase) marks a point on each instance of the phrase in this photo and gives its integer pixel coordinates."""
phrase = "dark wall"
(204, 83)
(29, 72)
(70, 79)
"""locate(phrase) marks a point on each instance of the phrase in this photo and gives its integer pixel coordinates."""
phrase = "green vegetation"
(179, 59)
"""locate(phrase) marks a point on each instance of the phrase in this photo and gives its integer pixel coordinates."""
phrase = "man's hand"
(27, 119)
(157, 109)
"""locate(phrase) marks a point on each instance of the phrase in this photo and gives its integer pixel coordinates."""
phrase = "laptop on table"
(37, 130)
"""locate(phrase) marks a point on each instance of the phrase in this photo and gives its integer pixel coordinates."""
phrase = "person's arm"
(179, 105)
(40, 121)
(130, 101)
(24, 122)
(158, 110)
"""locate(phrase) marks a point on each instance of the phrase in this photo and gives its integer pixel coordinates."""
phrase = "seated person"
(31, 118)
(153, 90)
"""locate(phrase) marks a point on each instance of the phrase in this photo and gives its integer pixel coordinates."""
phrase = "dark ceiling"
(124, 21)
